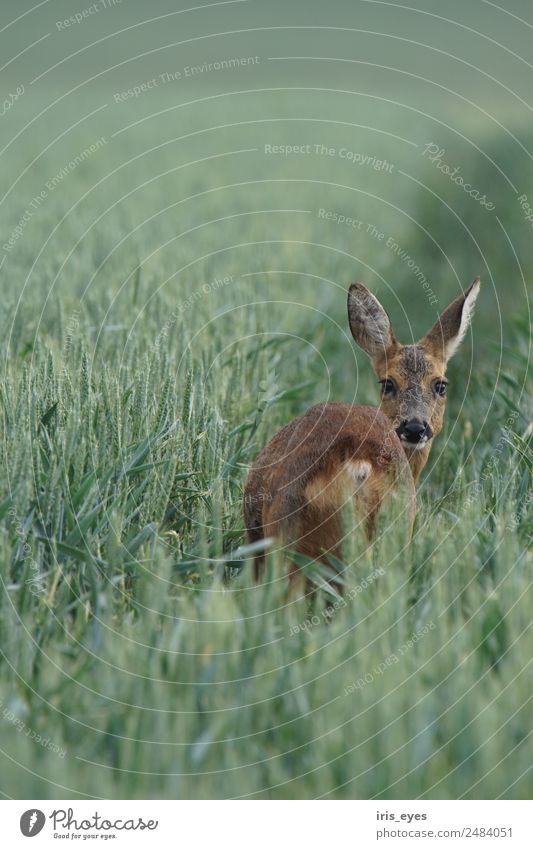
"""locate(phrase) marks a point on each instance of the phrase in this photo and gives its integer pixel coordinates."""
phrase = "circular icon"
(32, 822)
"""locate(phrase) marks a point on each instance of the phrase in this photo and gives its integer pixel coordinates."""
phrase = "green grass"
(132, 401)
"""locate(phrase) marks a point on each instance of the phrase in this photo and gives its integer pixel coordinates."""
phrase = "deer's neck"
(417, 460)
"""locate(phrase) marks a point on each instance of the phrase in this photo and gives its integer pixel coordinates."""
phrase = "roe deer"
(296, 488)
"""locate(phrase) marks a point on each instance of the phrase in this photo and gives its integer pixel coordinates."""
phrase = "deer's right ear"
(369, 323)
(448, 331)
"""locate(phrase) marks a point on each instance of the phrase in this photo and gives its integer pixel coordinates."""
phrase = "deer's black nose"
(414, 430)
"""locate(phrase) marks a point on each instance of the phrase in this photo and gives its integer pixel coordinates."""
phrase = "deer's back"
(300, 479)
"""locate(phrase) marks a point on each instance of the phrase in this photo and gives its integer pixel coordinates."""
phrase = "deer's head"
(412, 377)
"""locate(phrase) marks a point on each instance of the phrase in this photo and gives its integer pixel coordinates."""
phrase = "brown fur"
(296, 489)
(309, 470)
(414, 371)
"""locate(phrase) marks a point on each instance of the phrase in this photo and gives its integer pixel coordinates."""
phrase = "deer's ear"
(448, 331)
(369, 323)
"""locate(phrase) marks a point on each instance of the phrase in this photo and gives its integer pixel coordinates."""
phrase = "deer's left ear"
(448, 331)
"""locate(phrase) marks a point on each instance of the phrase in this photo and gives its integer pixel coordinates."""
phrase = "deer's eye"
(440, 387)
(387, 387)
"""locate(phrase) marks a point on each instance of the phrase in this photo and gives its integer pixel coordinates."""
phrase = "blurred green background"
(173, 291)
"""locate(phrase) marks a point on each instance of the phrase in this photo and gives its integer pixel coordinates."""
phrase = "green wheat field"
(173, 295)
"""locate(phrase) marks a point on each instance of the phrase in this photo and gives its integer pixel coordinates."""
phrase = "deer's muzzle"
(414, 431)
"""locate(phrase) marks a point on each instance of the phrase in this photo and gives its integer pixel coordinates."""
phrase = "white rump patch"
(359, 471)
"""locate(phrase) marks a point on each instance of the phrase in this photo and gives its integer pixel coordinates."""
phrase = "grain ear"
(449, 330)
(369, 323)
